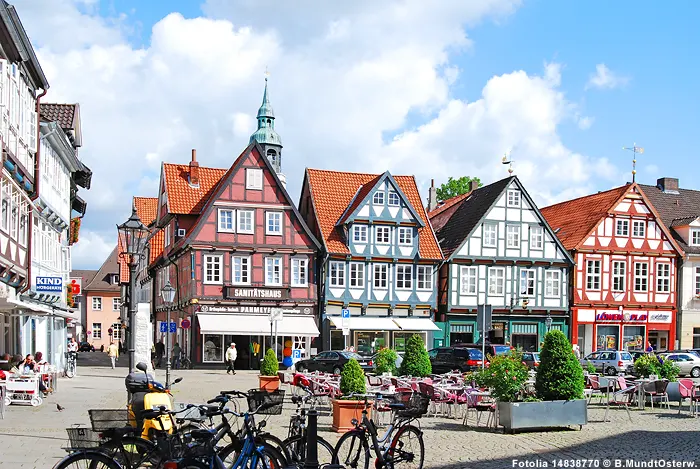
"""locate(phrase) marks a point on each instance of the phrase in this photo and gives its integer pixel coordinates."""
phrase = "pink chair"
(621, 398)
(686, 387)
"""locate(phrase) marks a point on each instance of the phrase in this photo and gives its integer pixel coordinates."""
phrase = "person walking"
(231, 355)
(160, 351)
(177, 351)
(113, 353)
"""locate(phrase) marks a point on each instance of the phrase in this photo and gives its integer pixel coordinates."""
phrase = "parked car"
(332, 361)
(531, 359)
(636, 355)
(86, 347)
(687, 350)
(399, 360)
(492, 350)
(688, 363)
(610, 362)
(446, 359)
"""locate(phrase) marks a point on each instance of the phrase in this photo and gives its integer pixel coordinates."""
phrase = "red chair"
(685, 388)
(621, 398)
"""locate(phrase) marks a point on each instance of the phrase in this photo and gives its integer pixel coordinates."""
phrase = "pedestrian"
(113, 353)
(577, 351)
(73, 345)
(176, 355)
(231, 355)
(160, 351)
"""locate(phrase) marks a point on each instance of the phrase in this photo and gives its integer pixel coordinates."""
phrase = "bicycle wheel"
(295, 447)
(407, 449)
(133, 452)
(87, 460)
(70, 370)
(352, 450)
(274, 458)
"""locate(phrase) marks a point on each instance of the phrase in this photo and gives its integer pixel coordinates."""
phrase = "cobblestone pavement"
(33, 437)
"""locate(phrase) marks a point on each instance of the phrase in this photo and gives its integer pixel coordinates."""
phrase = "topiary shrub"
(386, 361)
(416, 361)
(352, 379)
(646, 365)
(269, 365)
(560, 375)
(505, 376)
(668, 370)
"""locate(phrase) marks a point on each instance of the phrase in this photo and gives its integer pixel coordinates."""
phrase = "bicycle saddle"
(397, 405)
(202, 434)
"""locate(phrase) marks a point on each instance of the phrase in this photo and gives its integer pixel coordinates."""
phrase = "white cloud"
(92, 249)
(604, 78)
(344, 75)
(585, 122)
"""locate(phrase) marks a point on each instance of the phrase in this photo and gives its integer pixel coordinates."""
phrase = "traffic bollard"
(311, 461)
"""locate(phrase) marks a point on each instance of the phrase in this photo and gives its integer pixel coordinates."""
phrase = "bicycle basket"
(105, 419)
(269, 403)
(81, 438)
(416, 406)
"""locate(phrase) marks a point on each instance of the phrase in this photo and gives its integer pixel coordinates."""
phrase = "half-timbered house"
(501, 252)
(624, 286)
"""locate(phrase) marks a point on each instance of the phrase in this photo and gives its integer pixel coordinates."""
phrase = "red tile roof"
(451, 202)
(146, 208)
(183, 198)
(63, 114)
(157, 244)
(573, 220)
(121, 260)
(332, 193)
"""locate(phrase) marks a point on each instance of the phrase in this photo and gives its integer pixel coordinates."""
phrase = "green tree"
(386, 361)
(269, 365)
(352, 379)
(560, 375)
(454, 187)
(416, 361)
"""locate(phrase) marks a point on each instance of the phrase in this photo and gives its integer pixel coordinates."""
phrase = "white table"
(641, 400)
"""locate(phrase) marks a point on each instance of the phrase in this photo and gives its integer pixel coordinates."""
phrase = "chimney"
(432, 196)
(669, 185)
(473, 185)
(194, 170)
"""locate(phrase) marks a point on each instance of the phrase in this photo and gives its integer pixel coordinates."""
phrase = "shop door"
(525, 342)
(461, 338)
(658, 340)
(244, 357)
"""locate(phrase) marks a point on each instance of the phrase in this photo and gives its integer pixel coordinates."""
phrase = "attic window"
(378, 198)
(394, 199)
(695, 237)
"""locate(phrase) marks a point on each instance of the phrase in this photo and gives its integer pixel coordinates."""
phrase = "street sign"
(173, 327)
(346, 331)
(89, 333)
(163, 327)
(345, 315)
(185, 324)
(483, 319)
(276, 314)
(110, 331)
(296, 354)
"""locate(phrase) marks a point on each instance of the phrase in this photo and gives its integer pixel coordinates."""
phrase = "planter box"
(345, 411)
(545, 414)
(269, 383)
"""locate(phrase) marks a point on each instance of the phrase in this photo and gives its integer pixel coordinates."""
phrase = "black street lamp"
(168, 295)
(133, 234)
(548, 322)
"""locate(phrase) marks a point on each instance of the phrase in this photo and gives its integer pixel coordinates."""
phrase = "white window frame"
(619, 276)
(357, 274)
(536, 237)
(636, 224)
(97, 303)
(424, 277)
(528, 280)
(116, 332)
(242, 217)
(393, 197)
(166, 236)
(381, 276)
(641, 279)
(552, 283)
(241, 264)
(513, 233)
(220, 223)
(468, 278)
(622, 227)
(359, 233)
(513, 198)
(663, 277)
(268, 217)
(593, 274)
(404, 276)
(497, 281)
(382, 229)
(213, 262)
(694, 238)
(486, 238)
(697, 281)
(254, 179)
(405, 236)
(299, 272)
(116, 303)
(6, 206)
(97, 331)
(273, 265)
(336, 274)
(378, 198)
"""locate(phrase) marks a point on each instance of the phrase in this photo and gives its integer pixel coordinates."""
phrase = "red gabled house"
(624, 284)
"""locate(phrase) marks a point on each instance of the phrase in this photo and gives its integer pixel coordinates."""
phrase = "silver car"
(610, 362)
(689, 363)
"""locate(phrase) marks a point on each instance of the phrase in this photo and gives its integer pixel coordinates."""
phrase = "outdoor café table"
(640, 391)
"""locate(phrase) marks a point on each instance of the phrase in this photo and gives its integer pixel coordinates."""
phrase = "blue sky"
(369, 86)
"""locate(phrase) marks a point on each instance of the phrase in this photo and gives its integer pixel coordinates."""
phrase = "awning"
(366, 323)
(245, 324)
(46, 309)
(416, 324)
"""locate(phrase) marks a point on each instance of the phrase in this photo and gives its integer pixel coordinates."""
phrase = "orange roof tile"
(573, 220)
(183, 198)
(332, 193)
(146, 208)
(157, 244)
(123, 266)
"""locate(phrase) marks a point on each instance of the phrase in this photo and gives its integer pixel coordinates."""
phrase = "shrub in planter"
(352, 379)
(560, 375)
(268, 371)
(386, 361)
(345, 409)
(416, 361)
(505, 376)
(668, 370)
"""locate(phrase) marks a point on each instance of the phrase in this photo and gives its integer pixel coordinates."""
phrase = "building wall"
(106, 317)
(689, 302)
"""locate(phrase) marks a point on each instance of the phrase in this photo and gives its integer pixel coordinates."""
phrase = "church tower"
(266, 136)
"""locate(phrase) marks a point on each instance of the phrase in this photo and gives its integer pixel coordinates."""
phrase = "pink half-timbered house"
(624, 285)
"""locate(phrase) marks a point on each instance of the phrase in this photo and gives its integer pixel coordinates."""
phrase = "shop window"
(337, 340)
(633, 337)
(212, 350)
(400, 339)
(608, 337)
(369, 342)
(696, 337)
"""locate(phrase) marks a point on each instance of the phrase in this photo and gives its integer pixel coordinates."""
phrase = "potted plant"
(386, 361)
(650, 365)
(416, 361)
(269, 367)
(350, 404)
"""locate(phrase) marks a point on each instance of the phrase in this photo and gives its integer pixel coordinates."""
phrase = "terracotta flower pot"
(269, 383)
(343, 413)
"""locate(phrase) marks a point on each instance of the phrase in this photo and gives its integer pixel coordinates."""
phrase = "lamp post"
(133, 233)
(548, 322)
(168, 295)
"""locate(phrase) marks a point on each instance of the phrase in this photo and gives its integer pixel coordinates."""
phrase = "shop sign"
(256, 293)
(76, 285)
(660, 317)
(626, 317)
(249, 309)
(49, 284)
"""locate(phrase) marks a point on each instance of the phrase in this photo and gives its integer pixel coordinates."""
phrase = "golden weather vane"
(267, 73)
(506, 160)
(634, 149)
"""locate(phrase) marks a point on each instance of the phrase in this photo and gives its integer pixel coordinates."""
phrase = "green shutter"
(524, 329)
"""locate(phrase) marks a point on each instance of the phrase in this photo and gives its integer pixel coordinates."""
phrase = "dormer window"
(695, 237)
(378, 198)
(394, 199)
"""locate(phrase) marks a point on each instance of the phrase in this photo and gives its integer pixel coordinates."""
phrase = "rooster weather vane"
(506, 160)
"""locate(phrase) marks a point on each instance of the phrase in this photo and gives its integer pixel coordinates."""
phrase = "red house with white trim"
(624, 286)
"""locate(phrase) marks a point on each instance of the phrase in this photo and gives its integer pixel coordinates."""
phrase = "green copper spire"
(266, 108)
(266, 136)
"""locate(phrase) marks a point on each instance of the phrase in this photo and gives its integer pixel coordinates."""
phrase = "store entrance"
(244, 359)
(524, 342)
(658, 340)
(461, 338)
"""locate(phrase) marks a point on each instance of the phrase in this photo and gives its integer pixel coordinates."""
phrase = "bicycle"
(185, 363)
(353, 451)
(295, 443)
(71, 364)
